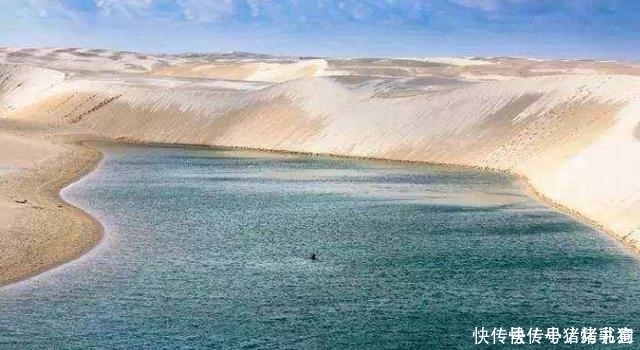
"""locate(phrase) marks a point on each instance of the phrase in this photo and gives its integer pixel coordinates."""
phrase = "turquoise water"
(209, 249)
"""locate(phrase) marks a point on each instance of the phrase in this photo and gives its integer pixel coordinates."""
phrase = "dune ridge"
(574, 137)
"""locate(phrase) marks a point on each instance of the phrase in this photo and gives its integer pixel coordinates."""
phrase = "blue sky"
(600, 29)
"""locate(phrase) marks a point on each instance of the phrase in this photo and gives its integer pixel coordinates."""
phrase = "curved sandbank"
(39, 230)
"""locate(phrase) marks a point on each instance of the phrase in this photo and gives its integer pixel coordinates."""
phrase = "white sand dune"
(573, 136)
(17, 93)
(456, 61)
(250, 71)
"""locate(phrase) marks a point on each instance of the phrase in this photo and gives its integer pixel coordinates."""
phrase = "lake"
(210, 249)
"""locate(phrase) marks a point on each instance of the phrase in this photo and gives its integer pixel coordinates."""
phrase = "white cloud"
(36, 9)
(483, 5)
(205, 11)
(127, 8)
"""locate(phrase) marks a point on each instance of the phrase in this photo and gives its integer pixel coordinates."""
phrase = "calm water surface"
(208, 249)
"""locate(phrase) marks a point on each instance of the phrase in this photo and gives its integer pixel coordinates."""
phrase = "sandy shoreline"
(45, 231)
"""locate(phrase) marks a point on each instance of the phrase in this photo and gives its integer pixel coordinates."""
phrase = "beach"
(40, 230)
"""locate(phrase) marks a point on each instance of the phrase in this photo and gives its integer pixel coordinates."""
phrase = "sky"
(596, 29)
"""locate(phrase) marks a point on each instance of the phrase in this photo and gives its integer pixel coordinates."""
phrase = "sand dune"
(21, 84)
(250, 71)
(573, 136)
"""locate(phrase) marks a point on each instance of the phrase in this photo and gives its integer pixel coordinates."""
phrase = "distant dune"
(571, 128)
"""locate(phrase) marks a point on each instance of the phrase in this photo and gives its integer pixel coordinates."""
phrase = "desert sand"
(38, 230)
(570, 128)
